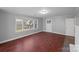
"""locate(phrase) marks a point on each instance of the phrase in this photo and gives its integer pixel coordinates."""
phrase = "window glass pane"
(28, 24)
(25, 25)
(18, 25)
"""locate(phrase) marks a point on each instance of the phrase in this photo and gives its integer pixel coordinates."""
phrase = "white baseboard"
(18, 37)
(60, 33)
(56, 33)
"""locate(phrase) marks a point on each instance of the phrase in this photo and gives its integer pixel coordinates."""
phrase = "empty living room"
(39, 29)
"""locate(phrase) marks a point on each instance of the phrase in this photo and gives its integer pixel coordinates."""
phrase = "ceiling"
(34, 11)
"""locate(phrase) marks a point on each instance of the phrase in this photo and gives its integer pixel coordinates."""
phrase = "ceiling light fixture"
(44, 11)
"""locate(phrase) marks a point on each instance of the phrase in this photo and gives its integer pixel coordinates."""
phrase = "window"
(26, 24)
(19, 25)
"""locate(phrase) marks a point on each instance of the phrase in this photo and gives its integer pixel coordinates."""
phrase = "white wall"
(70, 26)
(77, 31)
(75, 48)
(7, 26)
(58, 24)
(77, 35)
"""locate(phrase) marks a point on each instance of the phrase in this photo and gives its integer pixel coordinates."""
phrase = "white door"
(70, 26)
(48, 25)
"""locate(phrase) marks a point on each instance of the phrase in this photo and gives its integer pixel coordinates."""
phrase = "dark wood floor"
(40, 42)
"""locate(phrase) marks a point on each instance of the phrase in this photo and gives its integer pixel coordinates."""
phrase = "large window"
(26, 24)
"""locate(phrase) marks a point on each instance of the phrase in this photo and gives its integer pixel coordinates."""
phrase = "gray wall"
(77, 20)
(58, 24)
(7, 26)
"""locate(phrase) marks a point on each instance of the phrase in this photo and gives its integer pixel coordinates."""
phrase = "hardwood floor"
(39, 42)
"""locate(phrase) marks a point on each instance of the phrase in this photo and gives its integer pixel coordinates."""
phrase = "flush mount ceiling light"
(44, 11)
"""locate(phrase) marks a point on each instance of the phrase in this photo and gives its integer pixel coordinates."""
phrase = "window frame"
(23, 25)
